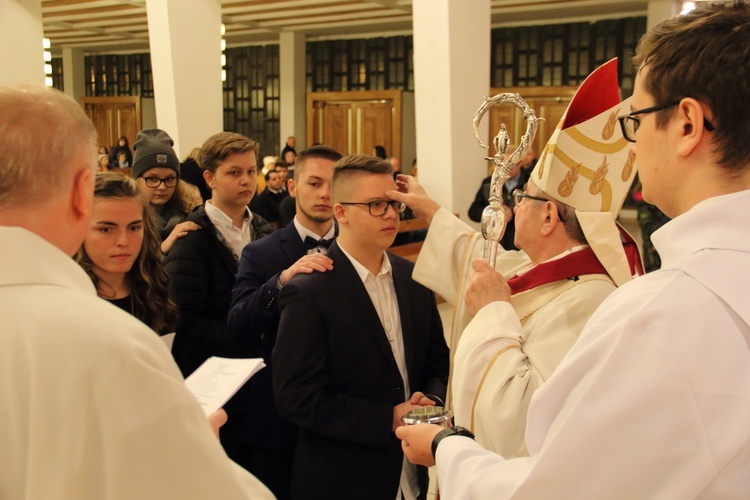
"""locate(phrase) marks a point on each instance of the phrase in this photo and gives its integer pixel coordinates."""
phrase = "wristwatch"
(456, 430)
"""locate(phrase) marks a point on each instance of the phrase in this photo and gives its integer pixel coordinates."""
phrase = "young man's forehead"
(316, 167)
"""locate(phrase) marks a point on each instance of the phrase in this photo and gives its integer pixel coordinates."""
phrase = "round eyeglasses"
(379, 208)
(155, 182)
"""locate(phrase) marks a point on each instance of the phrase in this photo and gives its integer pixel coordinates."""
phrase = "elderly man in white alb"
(93, 405)
(572, 259)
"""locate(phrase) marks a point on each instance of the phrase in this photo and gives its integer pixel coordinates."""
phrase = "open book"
(217, 379)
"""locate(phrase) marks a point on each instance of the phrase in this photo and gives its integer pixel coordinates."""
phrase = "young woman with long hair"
(121, 254)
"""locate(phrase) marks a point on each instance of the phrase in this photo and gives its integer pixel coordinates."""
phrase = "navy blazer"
(335, 377)
(253, 321)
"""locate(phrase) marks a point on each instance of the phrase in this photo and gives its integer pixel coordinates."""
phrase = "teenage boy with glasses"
(358, 347)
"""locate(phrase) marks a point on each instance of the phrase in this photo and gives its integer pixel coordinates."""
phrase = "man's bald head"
(45, 137)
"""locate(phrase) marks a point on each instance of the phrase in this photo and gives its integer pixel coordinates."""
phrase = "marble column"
(74, 73)
(21, 33)
(292, 87)
(451, 78)
(186, 64)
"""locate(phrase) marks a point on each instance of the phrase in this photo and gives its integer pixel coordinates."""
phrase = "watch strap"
(456, 430)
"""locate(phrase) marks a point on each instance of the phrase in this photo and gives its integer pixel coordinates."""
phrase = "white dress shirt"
(304, 232)
(235, 237)
(382, 293)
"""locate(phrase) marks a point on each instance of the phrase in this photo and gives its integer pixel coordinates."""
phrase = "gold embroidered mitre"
(587, 164)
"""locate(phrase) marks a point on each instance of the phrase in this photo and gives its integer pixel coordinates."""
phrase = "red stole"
(631, 252)
(574, 264)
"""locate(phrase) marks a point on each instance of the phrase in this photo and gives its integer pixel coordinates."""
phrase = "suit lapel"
(291, 243)
(351, 286)
(401, 279)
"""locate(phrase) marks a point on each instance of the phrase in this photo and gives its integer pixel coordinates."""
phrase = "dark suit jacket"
(268, 203)
(253, 320)
(337, 379)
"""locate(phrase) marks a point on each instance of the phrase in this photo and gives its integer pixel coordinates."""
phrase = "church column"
(452, 76)
(21, 33)
(74, 73)
(292, 87)
(186, 64)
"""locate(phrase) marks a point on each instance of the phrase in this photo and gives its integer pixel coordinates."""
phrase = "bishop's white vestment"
(653, 400)
(508, 350)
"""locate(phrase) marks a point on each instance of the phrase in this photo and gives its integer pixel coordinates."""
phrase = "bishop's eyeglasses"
(519, 195)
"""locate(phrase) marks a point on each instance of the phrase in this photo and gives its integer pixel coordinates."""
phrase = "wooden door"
(101, 115)
(336, 126)
(374, 126)
(552, 109)
(127, 122)
(354, 122)
(114, 117)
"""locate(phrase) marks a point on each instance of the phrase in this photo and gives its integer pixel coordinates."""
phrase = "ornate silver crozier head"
(493, 216)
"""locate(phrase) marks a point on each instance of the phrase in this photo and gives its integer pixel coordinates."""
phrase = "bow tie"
(313, 243)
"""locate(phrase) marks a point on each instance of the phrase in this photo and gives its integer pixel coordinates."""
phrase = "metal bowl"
(428, 415)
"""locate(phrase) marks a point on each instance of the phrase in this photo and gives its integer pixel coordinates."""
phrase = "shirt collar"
(362, 271)
(304, 232)
(712, 223)
(219, 218)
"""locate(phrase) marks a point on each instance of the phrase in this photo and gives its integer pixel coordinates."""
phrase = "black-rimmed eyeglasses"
(155, 182)
(519, 195)
(379, 208)
(630, 124)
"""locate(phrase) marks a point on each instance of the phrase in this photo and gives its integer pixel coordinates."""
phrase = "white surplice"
(653, 400)
(93, 405)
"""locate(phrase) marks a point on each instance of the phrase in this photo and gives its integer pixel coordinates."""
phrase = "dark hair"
(219, 146)
(268, 174)
(704, 54)
(380, 152)
(568, 214)
(356, 165)
(281, 164)
(147, 279)
(123, 138)
(323, 152)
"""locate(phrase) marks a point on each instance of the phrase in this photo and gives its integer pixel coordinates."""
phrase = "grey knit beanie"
(153, 148)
